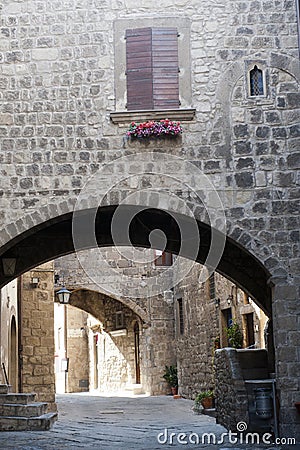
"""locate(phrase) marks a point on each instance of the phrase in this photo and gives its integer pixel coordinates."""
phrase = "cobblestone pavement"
(122, 423)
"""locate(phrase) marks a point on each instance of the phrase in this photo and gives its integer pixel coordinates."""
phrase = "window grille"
(256, 82)
(180, 316)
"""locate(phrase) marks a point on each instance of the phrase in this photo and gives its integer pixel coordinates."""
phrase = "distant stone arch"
(87, 300)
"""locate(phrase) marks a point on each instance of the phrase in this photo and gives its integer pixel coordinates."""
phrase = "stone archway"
(254, 274)
(54, 238)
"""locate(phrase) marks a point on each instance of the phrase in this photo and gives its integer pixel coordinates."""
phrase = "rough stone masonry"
(60, 72)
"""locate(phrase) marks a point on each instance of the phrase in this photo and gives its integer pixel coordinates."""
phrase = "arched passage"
(53, 238)
(102, 347)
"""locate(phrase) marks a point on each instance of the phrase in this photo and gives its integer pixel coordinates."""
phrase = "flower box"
(161, 129)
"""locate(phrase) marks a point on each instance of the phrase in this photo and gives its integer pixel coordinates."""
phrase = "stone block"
(263, 42)
(47, 54)
(244, 179)
(6, 119)
(293, 161)
(293, 100)
(241, 131)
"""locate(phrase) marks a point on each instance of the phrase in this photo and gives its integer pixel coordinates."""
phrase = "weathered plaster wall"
(77, 350)
(9, 310)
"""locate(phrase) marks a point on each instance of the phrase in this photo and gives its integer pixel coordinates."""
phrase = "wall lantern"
(63, 296)
(217, 302)
(229, 299)
(9, 266)
(34, 282)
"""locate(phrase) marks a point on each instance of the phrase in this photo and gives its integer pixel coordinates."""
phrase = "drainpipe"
(298, 22)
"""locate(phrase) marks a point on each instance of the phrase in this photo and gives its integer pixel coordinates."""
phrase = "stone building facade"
(37, 334)
(63, 119)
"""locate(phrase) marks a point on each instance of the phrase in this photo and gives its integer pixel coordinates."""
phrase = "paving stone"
(81, 426)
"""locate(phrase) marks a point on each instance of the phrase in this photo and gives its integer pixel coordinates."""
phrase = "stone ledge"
(125, 117)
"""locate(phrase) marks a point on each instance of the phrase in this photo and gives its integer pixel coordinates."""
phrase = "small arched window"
(256, 82)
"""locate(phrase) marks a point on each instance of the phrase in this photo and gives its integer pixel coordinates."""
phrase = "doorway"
(250, 335)
(96, 361)
(137, 353)
(13, 356)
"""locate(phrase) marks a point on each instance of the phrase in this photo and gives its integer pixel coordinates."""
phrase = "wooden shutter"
(163, 258)
(152, 68)
(165, 68)
(139, 69)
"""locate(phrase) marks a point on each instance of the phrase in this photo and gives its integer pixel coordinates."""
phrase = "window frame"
(212, 286)
(119, 320)
(250, 65)
(184, 61)
(162, 259)
(180, 317)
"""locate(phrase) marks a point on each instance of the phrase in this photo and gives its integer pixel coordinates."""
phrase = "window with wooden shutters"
(152, 68)
(163, 259)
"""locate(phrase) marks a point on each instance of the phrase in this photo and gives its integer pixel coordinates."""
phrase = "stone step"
(5, 388)
(136, 389)
(29, 410)
(41, 423)
(210, 412)
(20, 399)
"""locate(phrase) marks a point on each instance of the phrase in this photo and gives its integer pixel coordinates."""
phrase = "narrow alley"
(124, 423)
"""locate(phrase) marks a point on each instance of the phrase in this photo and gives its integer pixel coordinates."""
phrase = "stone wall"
(115, 347)
(241, 375)
(57, 93)
(116, 362)
(37, 334)
(204, 327)
(196, 345)
(231, 394)
(124, 267)
(158, 343)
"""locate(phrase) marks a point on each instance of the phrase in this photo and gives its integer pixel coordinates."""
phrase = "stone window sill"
(125, 117)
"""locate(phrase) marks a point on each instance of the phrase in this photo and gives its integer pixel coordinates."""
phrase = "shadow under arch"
(53, 238)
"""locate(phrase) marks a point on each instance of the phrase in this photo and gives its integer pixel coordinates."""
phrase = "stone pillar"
(37, 334)
(287, 344)
(157, 346)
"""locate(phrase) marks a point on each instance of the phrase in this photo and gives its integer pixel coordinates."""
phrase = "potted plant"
(204, 398)
(171, 378)
(234, 335)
